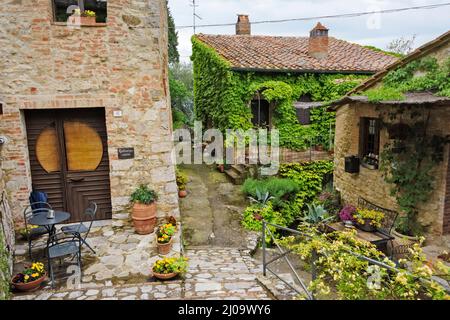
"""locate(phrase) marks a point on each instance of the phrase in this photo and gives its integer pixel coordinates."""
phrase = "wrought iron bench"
(387, 225)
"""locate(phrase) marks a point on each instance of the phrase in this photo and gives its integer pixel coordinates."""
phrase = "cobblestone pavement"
(219, 273)
(121, 256)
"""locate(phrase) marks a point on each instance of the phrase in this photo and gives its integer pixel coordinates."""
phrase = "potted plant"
(347, 215)
(30, 278)
(169, 268)
(407, 228)
(144, 209)
(164, 238)
(368, 220)
(182, 180)
(25, 232)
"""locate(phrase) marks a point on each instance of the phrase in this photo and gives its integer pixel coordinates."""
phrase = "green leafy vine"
(222, 97)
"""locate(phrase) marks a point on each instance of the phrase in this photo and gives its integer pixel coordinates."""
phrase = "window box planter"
(83, 21)
(369, 166)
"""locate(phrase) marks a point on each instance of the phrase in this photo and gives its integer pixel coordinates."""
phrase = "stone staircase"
(238, 173)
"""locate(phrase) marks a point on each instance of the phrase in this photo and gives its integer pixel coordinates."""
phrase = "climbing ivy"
(419, 75)
(222, 96)
(407, 163)
(4, 269)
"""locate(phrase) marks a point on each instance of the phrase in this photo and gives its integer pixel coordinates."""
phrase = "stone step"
(235, 178)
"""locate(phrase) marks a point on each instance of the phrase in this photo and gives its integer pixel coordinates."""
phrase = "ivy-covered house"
(244, 81)
(392, 140)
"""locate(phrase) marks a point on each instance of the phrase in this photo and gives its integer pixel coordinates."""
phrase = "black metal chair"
(80, 230)
(62, 245)
(34, 233)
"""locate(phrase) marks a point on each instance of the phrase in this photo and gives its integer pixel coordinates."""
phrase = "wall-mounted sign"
(117, 113)
(126, 153)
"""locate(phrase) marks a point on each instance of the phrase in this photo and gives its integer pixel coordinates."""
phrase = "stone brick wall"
(121, 66)
(370, 184)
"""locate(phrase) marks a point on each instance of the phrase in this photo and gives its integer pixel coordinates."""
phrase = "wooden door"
(69, 159)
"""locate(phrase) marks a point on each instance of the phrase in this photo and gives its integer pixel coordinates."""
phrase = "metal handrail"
(314, 257)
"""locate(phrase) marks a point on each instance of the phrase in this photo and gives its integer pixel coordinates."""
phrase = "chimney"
(318, 42)
(243, 26)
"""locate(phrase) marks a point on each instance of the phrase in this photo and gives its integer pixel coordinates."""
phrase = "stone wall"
(370, 184)
(121, 66)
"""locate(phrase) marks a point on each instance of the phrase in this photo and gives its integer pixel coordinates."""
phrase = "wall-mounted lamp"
(3, 140)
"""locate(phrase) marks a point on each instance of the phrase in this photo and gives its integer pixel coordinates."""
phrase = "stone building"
(360, 132)
(84, 105)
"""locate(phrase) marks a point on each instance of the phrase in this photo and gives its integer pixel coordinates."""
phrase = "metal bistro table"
(49, 224)
(378, 238)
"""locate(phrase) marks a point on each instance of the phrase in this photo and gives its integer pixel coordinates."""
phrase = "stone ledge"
(64, 24)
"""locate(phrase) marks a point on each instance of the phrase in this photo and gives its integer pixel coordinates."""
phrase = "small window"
(304, 115)
(63, 9)
(261, 113)
(369, 144)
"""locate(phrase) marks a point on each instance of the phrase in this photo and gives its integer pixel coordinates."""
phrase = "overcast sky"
(366, 30)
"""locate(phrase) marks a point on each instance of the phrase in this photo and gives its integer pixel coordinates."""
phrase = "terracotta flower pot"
(165, 276)
(221, 168)
(144, 217)
(164, 248)
(182, 193)
(30, 286)
(413, 239)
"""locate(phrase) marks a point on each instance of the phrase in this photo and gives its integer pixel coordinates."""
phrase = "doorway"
(69, 159)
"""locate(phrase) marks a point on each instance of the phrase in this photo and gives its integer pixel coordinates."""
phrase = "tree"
(402, 45)
(174, 56)
(181, 91)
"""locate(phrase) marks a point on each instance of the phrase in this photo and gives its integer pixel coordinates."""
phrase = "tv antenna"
(194, 6)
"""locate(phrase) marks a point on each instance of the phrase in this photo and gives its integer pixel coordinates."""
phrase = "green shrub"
(182, 180)
(144, 195)
(310, 178)
(4, 270)
(254, 214)
(278, 188)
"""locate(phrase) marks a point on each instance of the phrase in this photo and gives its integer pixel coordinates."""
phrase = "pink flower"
(346, 214)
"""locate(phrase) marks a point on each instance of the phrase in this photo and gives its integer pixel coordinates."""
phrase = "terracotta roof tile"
(291, 54)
